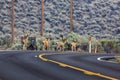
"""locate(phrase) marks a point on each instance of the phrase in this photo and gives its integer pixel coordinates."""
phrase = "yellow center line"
(41, 56)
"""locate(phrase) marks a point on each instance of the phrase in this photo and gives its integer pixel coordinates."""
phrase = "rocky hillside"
(100, 18)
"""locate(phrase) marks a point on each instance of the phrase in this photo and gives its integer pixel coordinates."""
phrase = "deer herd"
(59, 46)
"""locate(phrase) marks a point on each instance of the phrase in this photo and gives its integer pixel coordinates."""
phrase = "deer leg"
(72, 48)
(63, 48)
(43, 48)
(47, 47)
(60, 48)
(57, 48)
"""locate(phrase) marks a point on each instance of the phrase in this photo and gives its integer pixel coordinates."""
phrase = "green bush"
(95, 43)
(113, 46)
(116, 48)
(16, 46)
(53, 44)
(1, 42)
(73, 37)
(5, 41)
(84, 39)
(39, 42)
(100, 48)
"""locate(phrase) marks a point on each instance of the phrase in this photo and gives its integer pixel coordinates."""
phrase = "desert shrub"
(16, 46)
(53, 44)
(111, 46)
(84, 43)
(73, 37)
(95, 43)
(84, 39)
(39, 42)
(1, 42)
(100, 49)
(116, 48)
(70, 38)
(5, 41)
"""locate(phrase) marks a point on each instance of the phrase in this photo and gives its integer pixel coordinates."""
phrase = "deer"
(25, 42)
(60, 45)
(46, 44)
(73, 46)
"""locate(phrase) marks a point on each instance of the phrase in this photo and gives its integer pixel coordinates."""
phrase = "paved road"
(23, 65)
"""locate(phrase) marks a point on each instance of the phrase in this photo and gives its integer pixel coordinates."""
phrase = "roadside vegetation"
(16, 46)
(5, 42)
(117, 59)
(111, 46)
(39, 42)
(102, 46)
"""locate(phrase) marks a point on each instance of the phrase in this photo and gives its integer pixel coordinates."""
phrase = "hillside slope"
(100, 18)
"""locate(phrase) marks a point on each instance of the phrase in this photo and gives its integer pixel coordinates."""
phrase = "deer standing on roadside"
(25, 42)
(73, 46)
(46, 44)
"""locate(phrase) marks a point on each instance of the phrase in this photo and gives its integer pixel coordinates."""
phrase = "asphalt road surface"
(27, 65)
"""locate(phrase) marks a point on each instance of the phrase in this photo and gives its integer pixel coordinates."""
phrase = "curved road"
(27, 65)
